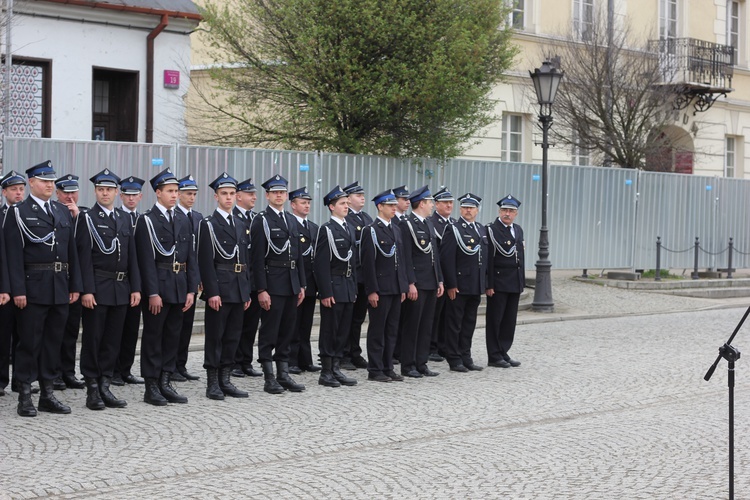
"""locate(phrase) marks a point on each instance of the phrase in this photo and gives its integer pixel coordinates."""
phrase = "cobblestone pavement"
(614, 407)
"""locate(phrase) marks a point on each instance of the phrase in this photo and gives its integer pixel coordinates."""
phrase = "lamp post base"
(543, 288)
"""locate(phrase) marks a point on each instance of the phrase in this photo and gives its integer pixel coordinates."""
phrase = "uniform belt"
(341, 272)
(116, 275)
(175, 267)
(291, 264)
(51, 266)
(235, 268)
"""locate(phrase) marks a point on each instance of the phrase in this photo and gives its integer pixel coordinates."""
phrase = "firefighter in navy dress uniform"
(506, 280)
(111, 284)
(243, 358)
(131, 195)
(335, 275)
(44, 279)
(300, 355)
(279, 274)
(440, 218)
(423, 261)
(463, 255)
(386, 284)
(187, 192)
(13, 186)
(222, 258)
(169, 279)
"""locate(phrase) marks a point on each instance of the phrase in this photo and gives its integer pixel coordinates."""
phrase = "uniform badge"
(422, 242)
(507, 242)
(471, 240)
(302, 239)
(359, 228)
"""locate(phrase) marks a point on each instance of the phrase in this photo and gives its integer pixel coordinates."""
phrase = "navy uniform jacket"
(440, 224)
(331, 272)
(226, 278)
(357, 222)
(506, 272)
(460, 270)
(307, 239)
(273, 272)
(44, 287)
(425, 269)
(385, 276)
(246, 220)
(161, 279)
(107, 291)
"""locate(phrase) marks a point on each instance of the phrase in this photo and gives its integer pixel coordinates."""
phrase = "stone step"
(710, 293)
(667, 284)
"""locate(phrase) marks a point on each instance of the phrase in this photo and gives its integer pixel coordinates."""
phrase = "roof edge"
(126, 8)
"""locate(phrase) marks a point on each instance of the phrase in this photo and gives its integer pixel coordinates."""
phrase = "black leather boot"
(152, 395)
(25, 405)
(226, 385)
(93, 399)
(283, 378)
(47, 400)
(326, 375)
(339, 375)
(168, 391)
(213, 391)
(110, 400)
(271, 386)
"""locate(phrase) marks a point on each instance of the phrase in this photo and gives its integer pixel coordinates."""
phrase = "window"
(515, 17)
(733, 27)
(667, 19)
(730, 158)
(580, 154)
(512, 138)
(583, 19)
(30, 103)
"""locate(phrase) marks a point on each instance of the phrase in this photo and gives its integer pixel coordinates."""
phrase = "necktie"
(229, 219)
(304, 224)
(170, 219)
(190, 218)
(133, 216)
(48, 209)
(112, 217)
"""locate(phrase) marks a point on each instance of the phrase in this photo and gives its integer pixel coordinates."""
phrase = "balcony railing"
(692, 62)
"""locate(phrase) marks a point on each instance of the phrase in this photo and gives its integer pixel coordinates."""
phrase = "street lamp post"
(546, 80)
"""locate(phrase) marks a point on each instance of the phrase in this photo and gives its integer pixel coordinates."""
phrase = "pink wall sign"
(171, 79)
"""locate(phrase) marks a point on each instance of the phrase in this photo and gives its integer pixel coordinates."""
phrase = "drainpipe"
(150, 76)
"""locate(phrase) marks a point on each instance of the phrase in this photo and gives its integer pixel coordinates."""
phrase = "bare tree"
(612, 101)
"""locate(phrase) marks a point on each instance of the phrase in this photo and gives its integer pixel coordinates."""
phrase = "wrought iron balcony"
(696, 69)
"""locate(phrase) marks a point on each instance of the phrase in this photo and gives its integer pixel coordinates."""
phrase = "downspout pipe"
(150, 76)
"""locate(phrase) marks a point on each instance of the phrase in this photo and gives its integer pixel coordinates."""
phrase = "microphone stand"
(731, 354)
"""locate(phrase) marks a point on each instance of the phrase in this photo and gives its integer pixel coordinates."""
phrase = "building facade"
(112, 70)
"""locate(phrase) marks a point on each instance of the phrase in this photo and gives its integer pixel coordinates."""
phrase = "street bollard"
(695, 265)
(657, 275)
(729, 258)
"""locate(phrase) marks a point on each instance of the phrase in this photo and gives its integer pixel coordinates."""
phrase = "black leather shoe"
(117, 380)
(237, 372)
(379, 377)
(168, 391)
(284, 380)
(2, 391)
(152, 395)
(295, 370)
(358, 362)
(71, 382)
(271, 385)
(110, 400)
(428, 373)
(435, 357)
(132, 379)
(411, 374)
(227, 387)
(473, 367)
(499, 364)
(311, 368)
(346, 364)
(93, 398)
(188, 375)
(213, 391)
(251, 372)
(58, 384)
(459, 368)
(177, 377)
(512, 362)
(395, 376)
(339, 375)
(25, 405)
(47, 400)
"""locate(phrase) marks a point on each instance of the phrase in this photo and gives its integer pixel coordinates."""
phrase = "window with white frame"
(730, 157)
(515, 16)
(512, 138)
(580, 154)
(668, 19)
(583, 19)
(734, 26)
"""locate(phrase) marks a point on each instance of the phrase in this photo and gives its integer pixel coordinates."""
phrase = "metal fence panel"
(599, 218)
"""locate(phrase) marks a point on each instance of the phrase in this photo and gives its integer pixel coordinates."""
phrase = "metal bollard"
(695, 264)
(729, 258)
(657, 274)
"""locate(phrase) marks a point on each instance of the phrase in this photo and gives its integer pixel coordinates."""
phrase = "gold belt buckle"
(58, 267)
(176, 266)
(238, 268)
